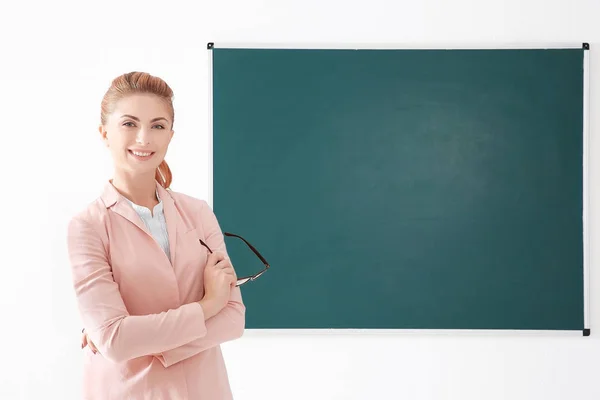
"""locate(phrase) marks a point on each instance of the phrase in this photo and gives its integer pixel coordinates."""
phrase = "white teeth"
(137, 153)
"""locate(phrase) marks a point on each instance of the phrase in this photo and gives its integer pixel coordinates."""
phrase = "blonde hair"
(138, 83)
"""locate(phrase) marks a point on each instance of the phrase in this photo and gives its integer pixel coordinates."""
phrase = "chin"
(137, 169)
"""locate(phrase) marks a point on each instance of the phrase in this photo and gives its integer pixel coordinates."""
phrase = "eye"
(125, 124)
(161, 127)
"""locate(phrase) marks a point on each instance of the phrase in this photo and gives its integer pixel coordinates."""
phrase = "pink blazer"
(139, 308)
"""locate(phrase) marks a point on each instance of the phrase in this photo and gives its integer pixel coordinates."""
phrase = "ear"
(103, 134)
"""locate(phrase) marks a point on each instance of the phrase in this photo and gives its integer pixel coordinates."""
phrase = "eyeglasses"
(245, 279)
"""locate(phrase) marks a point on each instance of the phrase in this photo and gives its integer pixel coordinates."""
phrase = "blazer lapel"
(171, 218)
(112, 198)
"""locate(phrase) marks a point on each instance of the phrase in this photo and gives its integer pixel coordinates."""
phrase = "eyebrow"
(138, 120)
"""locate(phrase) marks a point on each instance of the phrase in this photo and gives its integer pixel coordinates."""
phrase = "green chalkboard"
(403, 189)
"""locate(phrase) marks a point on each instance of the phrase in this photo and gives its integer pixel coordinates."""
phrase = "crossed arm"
(170, 336)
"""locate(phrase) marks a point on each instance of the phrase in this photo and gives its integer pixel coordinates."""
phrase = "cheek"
(118, 147)
(121, 140)
(163, 143)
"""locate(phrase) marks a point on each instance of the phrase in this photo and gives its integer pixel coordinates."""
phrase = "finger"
(229, 272)
(228, 268)
(223, 264)
(214, 258)
(83, 340)
(92, 346)
(230, 276)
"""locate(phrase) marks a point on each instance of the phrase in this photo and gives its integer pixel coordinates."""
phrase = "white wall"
(56, 60)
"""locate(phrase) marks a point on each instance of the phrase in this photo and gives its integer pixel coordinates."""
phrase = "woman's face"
(138, 133)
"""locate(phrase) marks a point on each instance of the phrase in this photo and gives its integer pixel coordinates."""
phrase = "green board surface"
(403, 189)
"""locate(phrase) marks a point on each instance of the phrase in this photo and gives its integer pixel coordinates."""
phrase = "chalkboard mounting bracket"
(210, 45)
(586, 46)
(586, 332)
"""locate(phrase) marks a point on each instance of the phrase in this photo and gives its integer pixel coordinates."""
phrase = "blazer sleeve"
(225, 326)
(118, 335)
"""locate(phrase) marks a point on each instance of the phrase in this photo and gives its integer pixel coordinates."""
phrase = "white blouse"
(155, 222)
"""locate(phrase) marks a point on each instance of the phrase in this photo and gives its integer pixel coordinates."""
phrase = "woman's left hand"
(86, 341)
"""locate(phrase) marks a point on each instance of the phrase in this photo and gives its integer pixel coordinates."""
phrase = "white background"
(56, 61)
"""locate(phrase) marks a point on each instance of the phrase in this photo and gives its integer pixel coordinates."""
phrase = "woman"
(154, 303)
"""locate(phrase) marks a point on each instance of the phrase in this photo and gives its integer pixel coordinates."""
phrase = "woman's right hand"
(219, 278)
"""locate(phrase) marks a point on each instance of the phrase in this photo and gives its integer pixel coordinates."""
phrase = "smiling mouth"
(141, 154)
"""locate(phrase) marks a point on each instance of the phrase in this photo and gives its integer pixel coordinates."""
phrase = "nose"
(142, 137)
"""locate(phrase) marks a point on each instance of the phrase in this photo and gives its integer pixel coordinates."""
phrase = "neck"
(139, 188)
